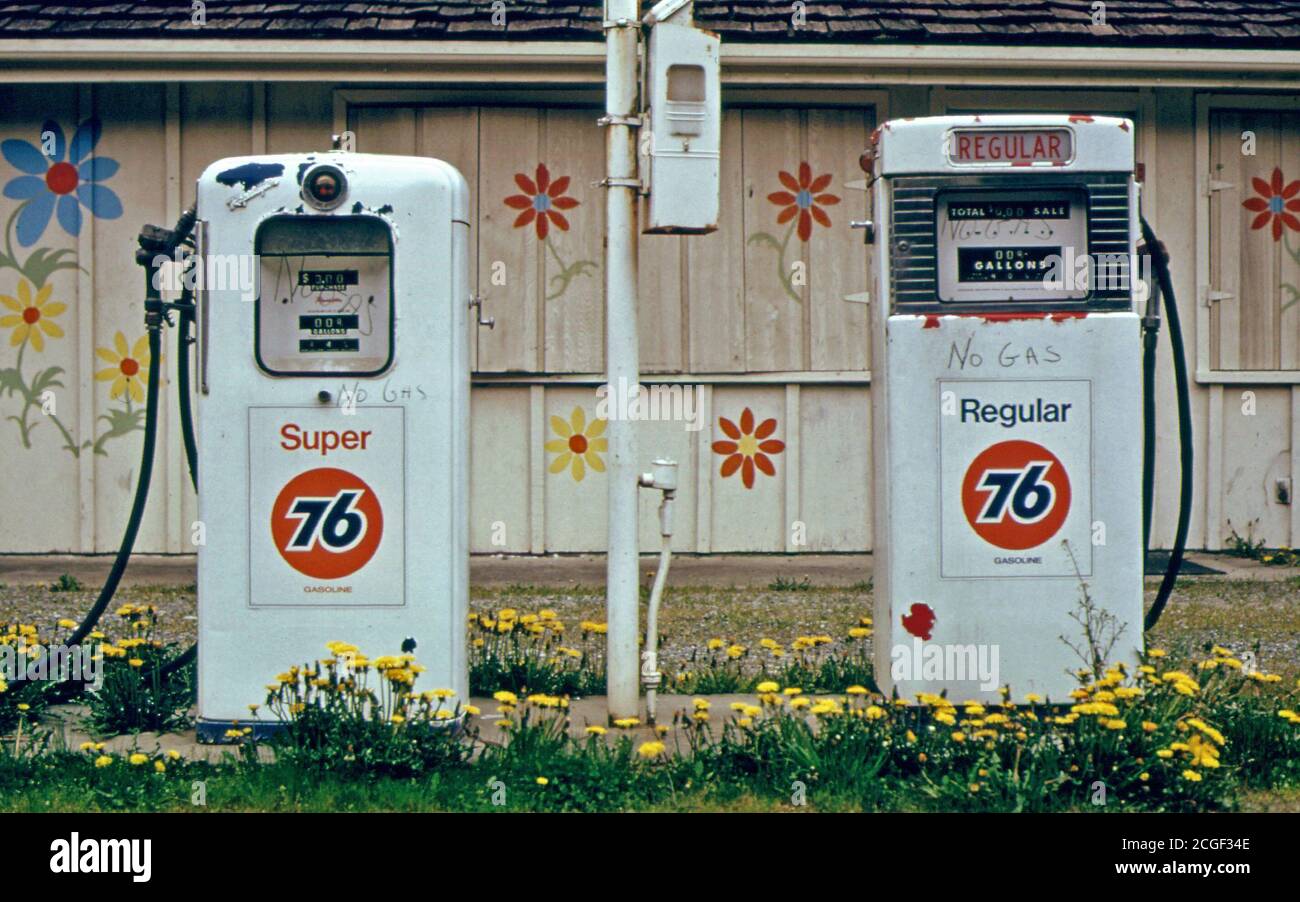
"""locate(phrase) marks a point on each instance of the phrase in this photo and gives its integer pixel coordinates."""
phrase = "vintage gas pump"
(1007, 408)
(333, 381)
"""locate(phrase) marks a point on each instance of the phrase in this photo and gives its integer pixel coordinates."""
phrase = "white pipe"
(650, 674)
(622, 31)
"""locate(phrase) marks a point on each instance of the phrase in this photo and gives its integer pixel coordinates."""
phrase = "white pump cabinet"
(1007, 403)
(333, 412)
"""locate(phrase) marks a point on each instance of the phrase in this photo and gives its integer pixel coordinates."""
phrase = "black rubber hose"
(141, 494)
(154, 320)
(184, 341)
(1160, 261)
(185, 322)
(1150, 339)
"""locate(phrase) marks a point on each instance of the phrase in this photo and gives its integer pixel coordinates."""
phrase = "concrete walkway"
(486, 571)
(67, 724)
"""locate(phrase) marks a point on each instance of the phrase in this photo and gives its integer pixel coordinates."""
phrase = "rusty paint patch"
(1019, 316)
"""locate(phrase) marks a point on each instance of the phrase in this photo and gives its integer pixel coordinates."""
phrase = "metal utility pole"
(622, 29)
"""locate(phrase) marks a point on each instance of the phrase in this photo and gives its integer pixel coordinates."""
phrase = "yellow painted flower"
(126, 366)
(578, 444)
(33, 317)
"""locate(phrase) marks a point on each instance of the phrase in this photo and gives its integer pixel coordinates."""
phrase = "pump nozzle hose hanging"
(154, 242)
(1164, 287)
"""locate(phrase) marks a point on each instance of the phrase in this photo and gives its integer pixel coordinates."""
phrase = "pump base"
(213, 732)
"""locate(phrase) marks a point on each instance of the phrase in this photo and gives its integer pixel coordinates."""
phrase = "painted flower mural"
(1276, 202)
(747, 448)
(803, 199)
(801, 203)
(31, 315)
(541, 202)
(127, 367)
(57, 180)
(578, 446)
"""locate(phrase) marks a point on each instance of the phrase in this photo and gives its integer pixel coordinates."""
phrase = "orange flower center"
(129, 367)
(748, 445)
(578, 443)
(31, 315)
(62, 178)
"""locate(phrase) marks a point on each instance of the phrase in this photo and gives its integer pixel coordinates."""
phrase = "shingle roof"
(1255, 24)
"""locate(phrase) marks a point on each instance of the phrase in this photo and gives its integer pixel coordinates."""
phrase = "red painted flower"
(748, 448)
(541, 201)
(803, 198)
(1273, 203)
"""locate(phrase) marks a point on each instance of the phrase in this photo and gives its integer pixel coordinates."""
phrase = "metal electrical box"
(1007, 392)
(334, 409)
(683, 138)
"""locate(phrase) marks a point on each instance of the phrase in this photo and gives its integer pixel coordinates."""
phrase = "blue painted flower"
(54, 185)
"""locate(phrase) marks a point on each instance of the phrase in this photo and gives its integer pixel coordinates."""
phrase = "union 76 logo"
(1016, 494)
(327, 523)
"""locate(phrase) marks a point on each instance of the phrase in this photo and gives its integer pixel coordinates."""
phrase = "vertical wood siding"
(750, 318)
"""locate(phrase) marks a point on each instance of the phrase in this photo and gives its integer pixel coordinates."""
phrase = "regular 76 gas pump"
(1008, 409)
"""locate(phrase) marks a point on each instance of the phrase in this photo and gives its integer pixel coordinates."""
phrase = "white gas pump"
(333, 412)
(1007, 408)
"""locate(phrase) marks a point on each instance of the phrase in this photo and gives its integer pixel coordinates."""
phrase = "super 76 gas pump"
(333, 410)
(1007, 408)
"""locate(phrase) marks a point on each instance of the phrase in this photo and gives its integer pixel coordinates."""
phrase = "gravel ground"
(1246, 615)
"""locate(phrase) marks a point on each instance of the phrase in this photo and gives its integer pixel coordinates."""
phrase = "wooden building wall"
(753, 318)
